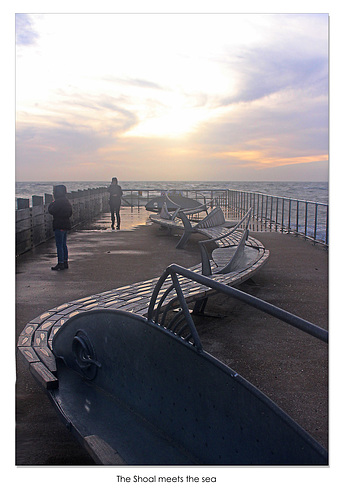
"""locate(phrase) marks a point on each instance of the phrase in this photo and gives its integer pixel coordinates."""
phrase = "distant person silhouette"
(61, 210)
(115, 195)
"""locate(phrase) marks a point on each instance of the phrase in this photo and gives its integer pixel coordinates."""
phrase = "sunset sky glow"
(172, 96)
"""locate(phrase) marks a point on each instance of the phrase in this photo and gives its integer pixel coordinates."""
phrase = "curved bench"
(142, 391)
(35, 340)
(233, 250)
(213, 223)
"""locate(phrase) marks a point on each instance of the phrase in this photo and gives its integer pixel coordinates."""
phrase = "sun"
(173, 123)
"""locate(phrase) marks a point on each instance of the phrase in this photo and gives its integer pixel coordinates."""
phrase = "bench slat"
(235, 259)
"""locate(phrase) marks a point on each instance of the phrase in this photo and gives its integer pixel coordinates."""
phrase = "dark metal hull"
(173, 202)
(155, 399)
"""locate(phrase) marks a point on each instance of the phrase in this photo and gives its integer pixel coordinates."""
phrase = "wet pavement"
(289, 366)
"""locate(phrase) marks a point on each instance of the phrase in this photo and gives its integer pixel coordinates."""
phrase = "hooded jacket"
(60, 209)
(115, 194)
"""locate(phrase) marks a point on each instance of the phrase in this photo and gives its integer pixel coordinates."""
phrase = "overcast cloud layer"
(174, 97)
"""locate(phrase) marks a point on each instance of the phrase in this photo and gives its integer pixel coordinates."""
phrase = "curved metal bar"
(169, 272)
(186, 311)
(176, 321)
(180, 333)
(259, 304)
(160, 303)
(206, 255)
(155, 293)
(165, 312)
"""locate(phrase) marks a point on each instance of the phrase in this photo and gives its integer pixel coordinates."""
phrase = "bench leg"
(184, 239)
(164, 228)
(200, 306)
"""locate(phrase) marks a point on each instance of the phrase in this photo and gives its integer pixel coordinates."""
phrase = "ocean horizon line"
(179, 181)
(316, 191)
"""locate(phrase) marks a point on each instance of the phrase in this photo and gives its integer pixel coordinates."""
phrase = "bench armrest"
(186, 222)
(165, 214)
(205, 258)
(206, 253)
(175, 214)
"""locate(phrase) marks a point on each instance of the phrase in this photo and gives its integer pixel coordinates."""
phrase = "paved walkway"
(287, 365)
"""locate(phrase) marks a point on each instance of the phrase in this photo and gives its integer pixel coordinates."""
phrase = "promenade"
(288, 365)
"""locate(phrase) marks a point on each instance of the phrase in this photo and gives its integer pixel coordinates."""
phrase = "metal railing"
(269, 213)
(306, 218)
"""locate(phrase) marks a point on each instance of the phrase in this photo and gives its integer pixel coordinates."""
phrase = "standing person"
(61, 210)
(115, 194)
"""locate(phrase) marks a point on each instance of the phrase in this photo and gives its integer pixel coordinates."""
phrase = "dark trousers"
(61, 244)
(115, 211)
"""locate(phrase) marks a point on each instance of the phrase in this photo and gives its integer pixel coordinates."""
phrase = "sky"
(205, 97)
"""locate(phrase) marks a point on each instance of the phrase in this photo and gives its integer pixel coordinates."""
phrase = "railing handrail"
(280, 197)
(154, 190)
(289, 215)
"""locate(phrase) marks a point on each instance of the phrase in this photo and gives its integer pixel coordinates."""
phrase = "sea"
(317, 192)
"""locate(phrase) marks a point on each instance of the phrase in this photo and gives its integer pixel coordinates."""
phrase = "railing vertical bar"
(253, 209)
(258, 206)
(289, 218)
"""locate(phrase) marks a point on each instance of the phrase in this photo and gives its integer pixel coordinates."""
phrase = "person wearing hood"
(61, 210)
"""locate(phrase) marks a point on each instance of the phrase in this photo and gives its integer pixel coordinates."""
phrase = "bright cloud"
(205, 94)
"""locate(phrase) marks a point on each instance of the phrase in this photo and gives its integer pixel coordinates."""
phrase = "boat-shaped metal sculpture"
(173, 202)
(142, 391)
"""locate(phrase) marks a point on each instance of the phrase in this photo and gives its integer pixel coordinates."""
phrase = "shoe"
(66, 265)
(58, 267)
(118, 228)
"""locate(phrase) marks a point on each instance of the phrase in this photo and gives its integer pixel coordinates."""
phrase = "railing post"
(309, 222)
(289, 219)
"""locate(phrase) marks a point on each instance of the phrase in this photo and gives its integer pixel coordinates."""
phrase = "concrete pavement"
(288, 365)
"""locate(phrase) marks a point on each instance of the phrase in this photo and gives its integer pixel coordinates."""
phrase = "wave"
(308, 191)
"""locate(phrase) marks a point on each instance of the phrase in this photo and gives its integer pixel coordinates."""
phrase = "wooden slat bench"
(230, 252)
(212, 225)
(35, 340)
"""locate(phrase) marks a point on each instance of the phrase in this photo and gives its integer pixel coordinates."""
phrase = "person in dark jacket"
(61, 210)
(115, 194)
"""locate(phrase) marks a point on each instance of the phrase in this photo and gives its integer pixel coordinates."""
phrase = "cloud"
(135, 82)
(99, 115)
(290, 124)
(234, 96)
(74, 140)
(25, 33)
(265, 72)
